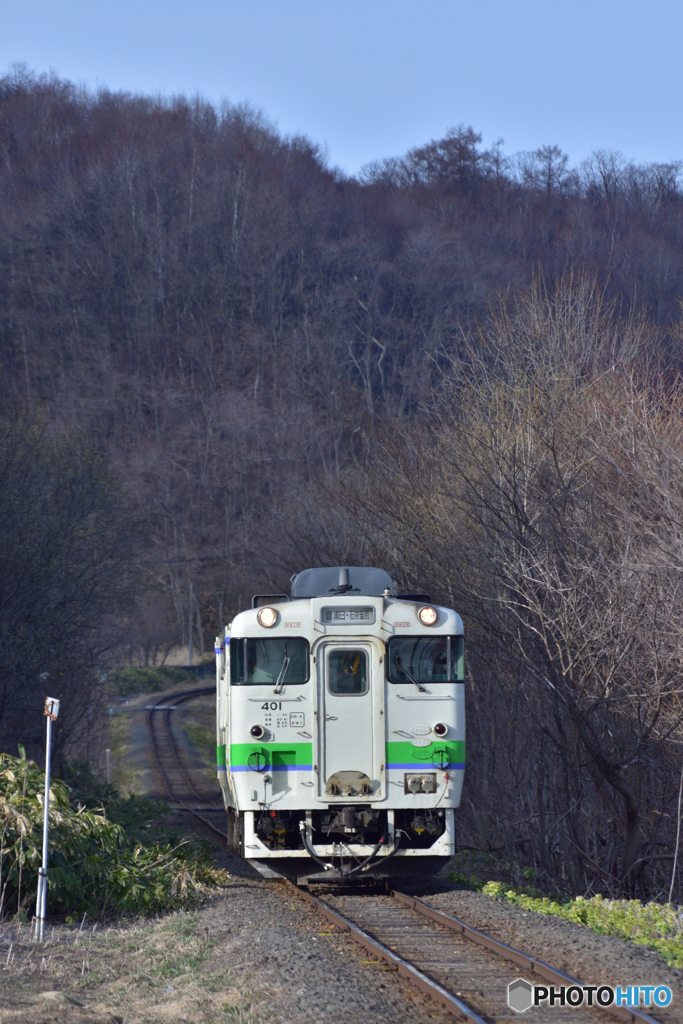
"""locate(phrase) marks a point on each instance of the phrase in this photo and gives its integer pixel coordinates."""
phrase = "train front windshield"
(425, 659)
(268, 661)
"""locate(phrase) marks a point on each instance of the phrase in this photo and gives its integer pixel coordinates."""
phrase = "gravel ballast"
(320, 974)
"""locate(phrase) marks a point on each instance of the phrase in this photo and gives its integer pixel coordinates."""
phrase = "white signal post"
(51, 712)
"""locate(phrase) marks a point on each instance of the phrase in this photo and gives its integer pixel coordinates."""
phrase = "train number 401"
(274, 705)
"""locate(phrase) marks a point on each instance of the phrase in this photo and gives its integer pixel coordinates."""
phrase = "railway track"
(168, 756)
(460, 967)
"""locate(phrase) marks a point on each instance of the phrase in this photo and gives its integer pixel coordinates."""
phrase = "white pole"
(108, 752)
(189, 639)
(51, 711)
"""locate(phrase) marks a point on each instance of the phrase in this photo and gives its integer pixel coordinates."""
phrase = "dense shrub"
(97, 865)
(129, 682)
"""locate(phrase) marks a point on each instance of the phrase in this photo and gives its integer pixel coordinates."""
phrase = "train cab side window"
(260, 661)
(426, 659)
(457, 658)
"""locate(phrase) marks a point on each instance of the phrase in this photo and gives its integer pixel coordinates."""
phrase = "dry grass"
(200, 729)
(125, 771)
(176, 969)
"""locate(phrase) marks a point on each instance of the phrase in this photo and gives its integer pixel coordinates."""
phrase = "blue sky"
(371, 79)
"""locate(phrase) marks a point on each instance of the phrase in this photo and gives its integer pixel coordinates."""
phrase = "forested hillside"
(460, 365)
(225, 315)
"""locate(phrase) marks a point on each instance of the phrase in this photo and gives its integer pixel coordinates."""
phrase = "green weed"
(658, 926)
(204, 740)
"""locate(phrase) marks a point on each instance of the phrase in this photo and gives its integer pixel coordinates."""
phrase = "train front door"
(349, 697)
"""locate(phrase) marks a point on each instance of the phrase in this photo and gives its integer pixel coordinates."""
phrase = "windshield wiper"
(283, 672)
(399, 665)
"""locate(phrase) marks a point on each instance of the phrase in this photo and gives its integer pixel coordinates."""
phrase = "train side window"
(237, 653)
(425, 659)
(260, 661)
(457, 658)
(347, 672)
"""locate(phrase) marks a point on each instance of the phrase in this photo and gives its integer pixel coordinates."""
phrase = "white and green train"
(341, 727)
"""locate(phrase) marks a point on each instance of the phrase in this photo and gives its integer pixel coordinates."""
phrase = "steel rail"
(529, 963)
(435, 989)
(404, 967)
(178, 698)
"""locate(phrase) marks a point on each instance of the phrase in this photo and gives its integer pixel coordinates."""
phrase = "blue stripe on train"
(421, 766)
(426, 766)
(274, 768)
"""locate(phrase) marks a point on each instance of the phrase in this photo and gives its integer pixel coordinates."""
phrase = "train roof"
(354, 581)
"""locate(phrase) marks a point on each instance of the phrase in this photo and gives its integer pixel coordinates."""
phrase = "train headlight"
(427, 616)
(440, 729)
(267, 617)
(257, 731)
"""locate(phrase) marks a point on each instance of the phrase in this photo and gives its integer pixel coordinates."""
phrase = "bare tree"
(67, 577)
(517, 505)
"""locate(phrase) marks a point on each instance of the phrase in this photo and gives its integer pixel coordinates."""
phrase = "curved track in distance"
(168, 757)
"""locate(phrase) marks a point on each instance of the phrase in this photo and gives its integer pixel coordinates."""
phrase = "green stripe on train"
(220, 755)
(285, 754)
(403, 752)
(301, 754)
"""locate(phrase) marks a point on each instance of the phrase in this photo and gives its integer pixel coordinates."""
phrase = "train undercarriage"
(343, 840)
